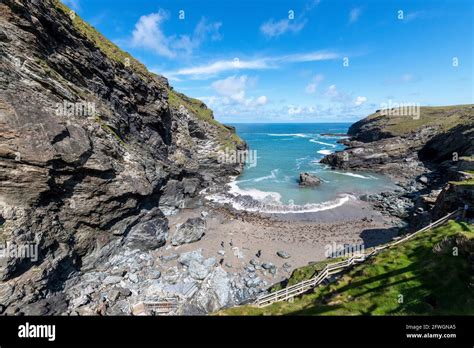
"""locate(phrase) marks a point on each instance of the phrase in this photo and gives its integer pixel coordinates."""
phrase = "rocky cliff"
(95, 150)
(421, 152)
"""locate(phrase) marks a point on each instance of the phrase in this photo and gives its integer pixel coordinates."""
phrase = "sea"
(270, 181)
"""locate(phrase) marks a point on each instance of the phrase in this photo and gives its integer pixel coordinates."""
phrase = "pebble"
(283, 254)
(112, 280)
(170, 257)
(133, 277)
(268, 265)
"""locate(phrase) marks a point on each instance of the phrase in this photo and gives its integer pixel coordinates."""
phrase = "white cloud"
(354, 15)
(413, 15)
(309, 57)
(313, 85)
(220, 66)
(233, 91)
(360, 100)
(262, 100)
(73, 4)
(337, 96)
(273, 28)
(294, 110)
(231, 86)
(202, 31)
(148, 34)
(209, 100)
(332, 91)
(217, 67)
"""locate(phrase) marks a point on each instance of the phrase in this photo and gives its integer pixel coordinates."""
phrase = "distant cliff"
(422, 152)
(92, 147)
(395, 144)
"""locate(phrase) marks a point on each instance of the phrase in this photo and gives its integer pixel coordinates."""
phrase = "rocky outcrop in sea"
(421, 154)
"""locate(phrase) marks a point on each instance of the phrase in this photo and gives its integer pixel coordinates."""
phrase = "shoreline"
(303, 236)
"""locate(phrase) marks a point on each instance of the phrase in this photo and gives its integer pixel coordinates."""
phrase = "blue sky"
(298, 61)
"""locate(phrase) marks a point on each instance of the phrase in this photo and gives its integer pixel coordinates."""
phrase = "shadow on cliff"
(376, 236)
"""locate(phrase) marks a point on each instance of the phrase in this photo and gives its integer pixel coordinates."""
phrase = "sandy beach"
(303, 236)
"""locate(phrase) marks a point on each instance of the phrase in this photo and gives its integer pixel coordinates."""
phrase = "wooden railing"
(160, 307)
(336, 267)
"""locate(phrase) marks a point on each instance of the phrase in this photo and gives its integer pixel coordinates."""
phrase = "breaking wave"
(321, 143)
(273, 175)
(299, 135)
(254, 200)
(360, 176)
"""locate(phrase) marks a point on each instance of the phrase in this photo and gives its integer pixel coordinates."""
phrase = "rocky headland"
(426, 155)
(95, 153)
(103, 166)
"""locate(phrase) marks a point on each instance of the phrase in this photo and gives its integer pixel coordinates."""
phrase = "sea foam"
(360, 176)
(254, 200)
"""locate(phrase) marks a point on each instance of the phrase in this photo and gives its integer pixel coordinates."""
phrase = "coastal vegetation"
(442, 117)
(422, 276)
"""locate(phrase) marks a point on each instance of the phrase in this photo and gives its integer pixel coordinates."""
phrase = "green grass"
(201, 111)
(101, 42)
(110, 130)
(113, 52)
(444, 117)
(467, 158)
(467, 182)
(304, 273)
(430, 283)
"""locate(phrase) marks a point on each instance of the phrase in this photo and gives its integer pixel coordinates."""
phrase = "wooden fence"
(336, 267)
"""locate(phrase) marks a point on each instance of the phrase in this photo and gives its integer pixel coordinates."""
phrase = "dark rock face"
(441, 148)
(395, 156)
(191, 231)
(452, 197)
(92, 152)
(420, 155)
(148, 235)
(307, 179)
(401, 147)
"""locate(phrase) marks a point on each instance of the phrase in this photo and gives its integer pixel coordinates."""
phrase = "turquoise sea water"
(285, 150)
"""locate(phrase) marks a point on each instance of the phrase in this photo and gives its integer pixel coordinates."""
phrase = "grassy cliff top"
(430, 283)
(198, 108)
(175, 99)
(107, 47)
(395, 123)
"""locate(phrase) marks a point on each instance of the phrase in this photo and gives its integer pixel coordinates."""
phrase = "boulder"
(198, 271)
(168, 258)
(148, 235)
(215, 293)
(198, 267)
(195, 255)
(307, 179)
(191, 231)
(268, 265)
(139, 309)
(287, 267)
(283, 254)
(423, 179)
(112, 280)
(80, 167)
